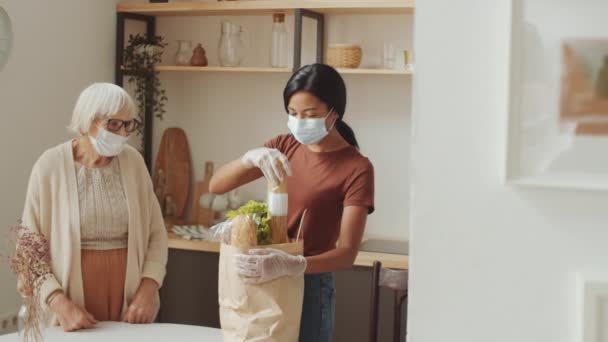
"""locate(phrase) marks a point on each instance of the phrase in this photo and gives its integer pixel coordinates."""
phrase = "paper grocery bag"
(264, 312)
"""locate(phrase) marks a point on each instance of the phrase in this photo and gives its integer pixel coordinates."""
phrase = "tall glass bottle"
(278, 52)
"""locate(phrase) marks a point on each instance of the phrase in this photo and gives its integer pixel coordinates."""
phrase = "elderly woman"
(92, 198)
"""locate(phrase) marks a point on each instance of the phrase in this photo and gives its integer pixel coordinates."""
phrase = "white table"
(118, 332)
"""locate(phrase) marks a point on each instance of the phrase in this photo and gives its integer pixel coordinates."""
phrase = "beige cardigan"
(51, 207)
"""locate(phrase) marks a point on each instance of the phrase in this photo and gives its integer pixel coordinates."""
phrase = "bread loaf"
(243, 232)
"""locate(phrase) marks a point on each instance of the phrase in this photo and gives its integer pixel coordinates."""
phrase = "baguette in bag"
(243, 234)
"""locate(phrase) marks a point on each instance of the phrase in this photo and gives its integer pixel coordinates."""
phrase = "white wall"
(225, 114)
(489, 262)
(60, 47)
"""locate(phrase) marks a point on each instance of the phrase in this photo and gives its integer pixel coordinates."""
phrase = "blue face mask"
(309, 131)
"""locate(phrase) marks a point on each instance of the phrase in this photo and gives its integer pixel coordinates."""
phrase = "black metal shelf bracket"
(119, 74)
(299, 14)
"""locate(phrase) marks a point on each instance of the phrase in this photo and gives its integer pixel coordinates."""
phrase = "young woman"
(327, 176)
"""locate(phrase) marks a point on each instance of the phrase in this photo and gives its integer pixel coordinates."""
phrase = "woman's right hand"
(70, 316)
(273, 164)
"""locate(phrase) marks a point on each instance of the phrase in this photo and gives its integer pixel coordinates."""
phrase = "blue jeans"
(319, 308)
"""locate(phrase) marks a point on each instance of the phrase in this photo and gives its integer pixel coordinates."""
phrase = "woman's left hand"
(145, 303)
(263, 265)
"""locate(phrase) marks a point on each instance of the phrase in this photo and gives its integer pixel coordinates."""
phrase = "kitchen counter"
(190, 290)
(365, 259)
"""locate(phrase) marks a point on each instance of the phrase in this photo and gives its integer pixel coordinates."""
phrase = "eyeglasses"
(114, 125)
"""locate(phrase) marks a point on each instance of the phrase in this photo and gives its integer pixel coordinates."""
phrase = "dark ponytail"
(327, 85)
(347, 133)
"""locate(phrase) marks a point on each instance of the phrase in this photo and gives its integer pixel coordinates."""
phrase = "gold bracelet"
(52, 296)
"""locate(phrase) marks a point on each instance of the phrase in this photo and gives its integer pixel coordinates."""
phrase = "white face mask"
(309, 131)
(108, 144)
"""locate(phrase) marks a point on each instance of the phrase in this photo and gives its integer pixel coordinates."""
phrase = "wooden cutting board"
(173, 172)
(204, 216)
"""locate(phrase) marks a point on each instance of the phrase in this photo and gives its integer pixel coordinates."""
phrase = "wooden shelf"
(220, 69)
(178, 68)
(374, 72)
(261, 7)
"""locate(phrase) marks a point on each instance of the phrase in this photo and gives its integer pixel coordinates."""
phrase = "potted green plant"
(140, 56)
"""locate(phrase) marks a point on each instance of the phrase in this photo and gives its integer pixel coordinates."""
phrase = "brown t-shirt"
(323, 183)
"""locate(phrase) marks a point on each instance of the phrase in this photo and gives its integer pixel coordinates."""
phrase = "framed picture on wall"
(558, 112)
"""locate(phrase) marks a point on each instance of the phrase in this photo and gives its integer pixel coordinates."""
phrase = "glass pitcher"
(230, 47)
(184, 51)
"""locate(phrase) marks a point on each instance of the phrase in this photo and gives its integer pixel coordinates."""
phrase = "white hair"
(100, 101)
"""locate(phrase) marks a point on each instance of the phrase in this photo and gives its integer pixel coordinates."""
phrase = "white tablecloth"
(119, 332)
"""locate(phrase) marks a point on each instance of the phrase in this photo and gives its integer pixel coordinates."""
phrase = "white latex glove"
(266, 159)
(263, 265)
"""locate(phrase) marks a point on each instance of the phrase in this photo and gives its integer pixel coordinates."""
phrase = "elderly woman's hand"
(145, 303)
(71, 317)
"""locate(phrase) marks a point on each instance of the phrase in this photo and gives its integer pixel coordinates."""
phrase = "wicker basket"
(344, 56)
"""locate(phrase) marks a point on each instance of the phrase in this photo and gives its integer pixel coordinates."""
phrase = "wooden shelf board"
(220, 69)
(179, 68)
(374, 72)
(261, 7)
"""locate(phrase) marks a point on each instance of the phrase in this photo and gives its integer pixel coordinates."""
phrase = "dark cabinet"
(189, 296)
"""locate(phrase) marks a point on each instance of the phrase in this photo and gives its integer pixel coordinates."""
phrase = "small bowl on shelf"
(344, 56)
